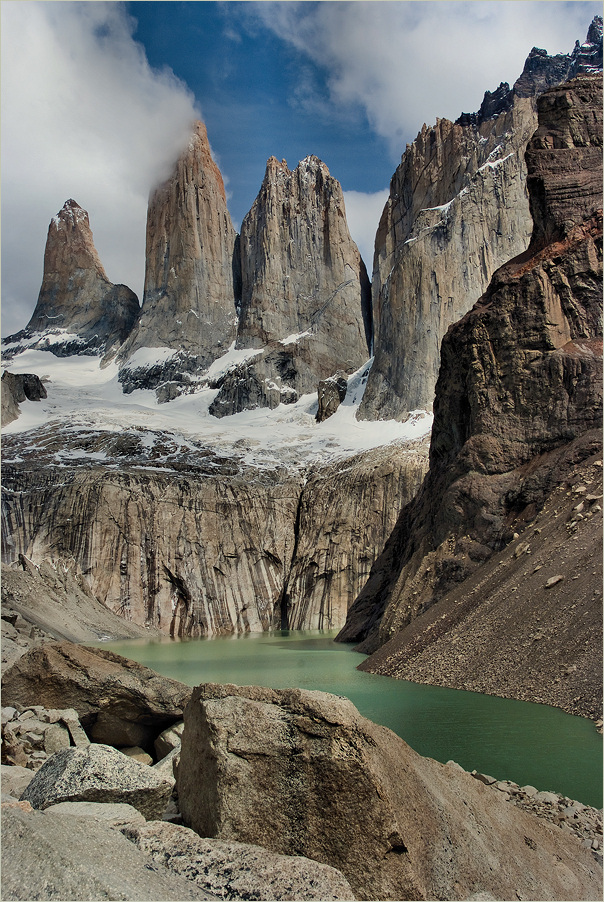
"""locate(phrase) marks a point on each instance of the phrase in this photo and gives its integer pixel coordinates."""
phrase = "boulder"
(118, 702)
(15, 779)
(137, 753)
(302, 773)
(98, 773)
(235, 870)
(168, 740)
(59, 856)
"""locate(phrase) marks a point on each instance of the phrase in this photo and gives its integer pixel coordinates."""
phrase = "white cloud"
(83, 116)
(363, 212)
(407, 63)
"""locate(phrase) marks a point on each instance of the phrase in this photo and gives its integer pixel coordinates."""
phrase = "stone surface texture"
(233, 870)
(305, 292)
(118, 814)
(98, 773)
(519, 395)
(458, 209)
(303, 773)
(15, 779)
(79, 311)
(59, 856)
(205, 545)
(119, 702)
(191, 286)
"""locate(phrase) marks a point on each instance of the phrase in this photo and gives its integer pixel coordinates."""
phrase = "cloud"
(406, 63)
(363, 212)
(83, 116)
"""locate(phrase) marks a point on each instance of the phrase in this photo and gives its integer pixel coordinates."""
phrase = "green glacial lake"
(511, 740)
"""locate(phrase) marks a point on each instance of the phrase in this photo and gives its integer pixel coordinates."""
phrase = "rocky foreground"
(120, 784)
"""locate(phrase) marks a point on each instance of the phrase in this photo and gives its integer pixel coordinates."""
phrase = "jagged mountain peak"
(79, 311)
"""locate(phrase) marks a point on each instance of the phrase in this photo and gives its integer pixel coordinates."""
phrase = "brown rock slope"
(302, 773)
(190, 286)
(79, 311)
(458, 209)
(519, 396)
(305, 293)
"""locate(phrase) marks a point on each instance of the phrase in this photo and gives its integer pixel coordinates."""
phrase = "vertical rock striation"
(458, 209)
(79, 311)
(305, 293)
(200, 544)
(191, 281)
(519, 395)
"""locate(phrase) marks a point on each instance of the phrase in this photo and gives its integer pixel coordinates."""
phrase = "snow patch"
(149, 357)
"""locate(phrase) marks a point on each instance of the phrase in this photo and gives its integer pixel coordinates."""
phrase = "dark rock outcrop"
(458, 209)
(79, 311)
(305, 292)
(16, 388)
(191, 280)
(303, 773)
(331, 393)
(519, 395)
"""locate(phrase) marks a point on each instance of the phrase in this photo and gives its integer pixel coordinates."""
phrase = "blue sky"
(97, 98)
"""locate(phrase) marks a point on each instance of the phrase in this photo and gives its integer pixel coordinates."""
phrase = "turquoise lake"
(508, 739)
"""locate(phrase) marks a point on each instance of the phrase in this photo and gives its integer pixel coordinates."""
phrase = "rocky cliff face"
(519, 395)
(191, 280)
(17, 388)
(192, 543)
(458, 209)
(79, 311)
(305, 292)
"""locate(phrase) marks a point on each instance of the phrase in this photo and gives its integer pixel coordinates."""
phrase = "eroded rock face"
(520, 387)
(305, 292)
(196, 544)
(79, 311)
(191, 279)
(458, 209)
(303, 773)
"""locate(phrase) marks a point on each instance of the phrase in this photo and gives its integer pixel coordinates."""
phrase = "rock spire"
(79, 311)
(191, 282)
(305, 292)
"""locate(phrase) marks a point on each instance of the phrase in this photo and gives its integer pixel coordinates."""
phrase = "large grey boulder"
(302, 773)
(233, 870)
(98, 773)
(58, 856)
